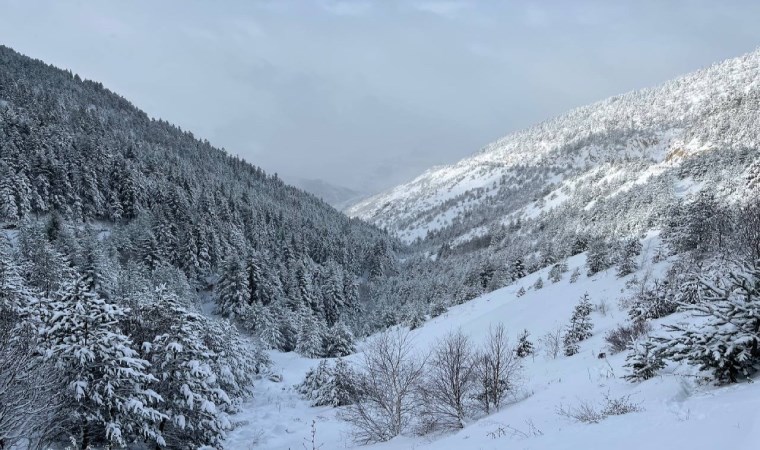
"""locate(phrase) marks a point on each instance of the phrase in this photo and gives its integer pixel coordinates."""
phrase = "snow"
(677, 412)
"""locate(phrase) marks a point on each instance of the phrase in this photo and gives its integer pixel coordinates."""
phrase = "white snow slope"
(678, 412)
(711, 109)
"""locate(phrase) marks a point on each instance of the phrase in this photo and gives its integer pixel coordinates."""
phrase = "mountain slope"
(644, 132)
(145, 271)
(339, 197)
(676, 410)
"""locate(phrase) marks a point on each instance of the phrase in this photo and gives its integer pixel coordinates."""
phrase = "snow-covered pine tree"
(12, 288)
(653, 302)
(598, 257)
(109, 394)
(437, 308)
(726, 339)
(313, 385)
(311, 334)
(518, 269)
(233, 293)
(539, 284)
(643, 361)
(555, 273)
(193, 401)
(580, 326)
(524, 345)
(339, 341)
(415, 316)
(625, 259)
(575, 275)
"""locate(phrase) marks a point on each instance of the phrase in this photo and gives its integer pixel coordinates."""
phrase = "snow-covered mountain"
(633, 136)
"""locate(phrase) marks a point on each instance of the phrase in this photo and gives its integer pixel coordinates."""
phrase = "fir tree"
(626, 256)
(575, 275)
(233, 294)
(580, 326)
(726, 341)
(643, 362)
(518, 269)
(339, 341)
(524, 345)
(110, 401)
(310, 339)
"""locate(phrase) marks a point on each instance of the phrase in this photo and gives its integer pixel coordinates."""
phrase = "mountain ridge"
(639, 119)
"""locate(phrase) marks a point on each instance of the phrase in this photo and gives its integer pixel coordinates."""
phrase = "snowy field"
(677, 412)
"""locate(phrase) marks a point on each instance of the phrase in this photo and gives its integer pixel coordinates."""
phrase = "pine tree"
(643, 361)
(339, 341)
(518, 269)
(580, 326)
(598, 258)
(626, 256)
(437, 308)
(520, 292)
(233, 293)
(194, 400)
(310, 336)
(329, 385)
(12, 288)
(555, 274)
(653, 302)
(110, 401)
(539, 284)
(524, 345)
(575, 275)
(726, 341)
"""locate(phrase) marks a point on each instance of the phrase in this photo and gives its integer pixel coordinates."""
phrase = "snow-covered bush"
(653, 302)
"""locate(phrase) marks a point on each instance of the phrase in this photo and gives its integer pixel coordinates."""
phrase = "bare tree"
(498, 369)
(29, 391)
(552, 342)
(447, 391)
(388, 384)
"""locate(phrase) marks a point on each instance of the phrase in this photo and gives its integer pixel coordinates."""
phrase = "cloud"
(347, 7)
(445, 8)
(368, 94)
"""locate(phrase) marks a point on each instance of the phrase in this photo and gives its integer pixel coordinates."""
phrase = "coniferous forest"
(142, 268)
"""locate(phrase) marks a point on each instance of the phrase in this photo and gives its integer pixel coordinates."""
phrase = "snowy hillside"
(639, 134)
(675, 410)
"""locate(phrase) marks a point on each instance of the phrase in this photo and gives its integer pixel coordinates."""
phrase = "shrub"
(623, 336)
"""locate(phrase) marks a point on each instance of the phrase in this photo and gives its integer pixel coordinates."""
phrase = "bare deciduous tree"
(388, 384)
(498, 369)
(29, 391)
(552, 343)
(447, 391)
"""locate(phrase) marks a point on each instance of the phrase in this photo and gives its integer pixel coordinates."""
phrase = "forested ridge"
(122, 233)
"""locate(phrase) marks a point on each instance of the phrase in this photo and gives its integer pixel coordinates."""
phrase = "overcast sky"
(367, 94)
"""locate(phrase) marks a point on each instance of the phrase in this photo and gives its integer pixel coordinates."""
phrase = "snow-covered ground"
(677, 411)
